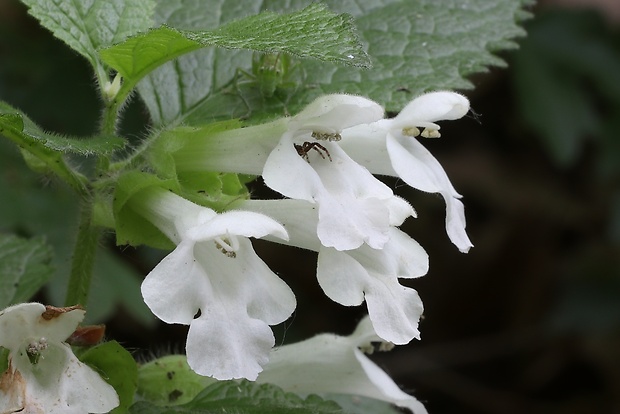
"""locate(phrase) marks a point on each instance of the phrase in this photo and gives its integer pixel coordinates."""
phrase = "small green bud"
(110, 89)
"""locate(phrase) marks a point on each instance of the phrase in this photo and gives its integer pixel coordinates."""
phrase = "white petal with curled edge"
(424, 110)
(394, 309)
(389, 391)
(231, 338)
(241, 223)
(61, 384)
(219, 350)
(354, 207)
(24, 320)
(402, 257)
(289, 174)
(346, 223)
(173, 289)
(238, 297)
(415, 165)
(298, 216)
(341, 277)
(333, 364)
(333, 113)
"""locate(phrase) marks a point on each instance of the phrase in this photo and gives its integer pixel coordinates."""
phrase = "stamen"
(386, 346)
(367, 348)
(411, 131)
(226, 246)
(431, 133)
(34, 349)
(326, 136)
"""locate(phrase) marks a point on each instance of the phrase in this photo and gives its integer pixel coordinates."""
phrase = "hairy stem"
(83, 261)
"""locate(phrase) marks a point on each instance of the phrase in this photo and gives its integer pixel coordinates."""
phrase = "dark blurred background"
(528, 321)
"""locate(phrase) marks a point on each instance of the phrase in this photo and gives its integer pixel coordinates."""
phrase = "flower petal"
(224, 343)
(288, 173)
(241, 223)
(232, 338)
(24, 320)
(173, 289)
(402, 257)
(424, 110)
(238, 298)
(333, 113)
(299, 217)
(333, 364)
(415, 165)
(394, 309)
(62, 384)
(341, 277)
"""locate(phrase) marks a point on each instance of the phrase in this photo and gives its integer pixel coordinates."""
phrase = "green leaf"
(89, 25)
(117, 367)
(24, 268)
(422, 45)
(415, 46)
(313, 32)
(244, 397)
(18, 127)
(170, 381)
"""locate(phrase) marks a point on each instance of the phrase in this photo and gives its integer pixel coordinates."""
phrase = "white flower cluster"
(323, 160)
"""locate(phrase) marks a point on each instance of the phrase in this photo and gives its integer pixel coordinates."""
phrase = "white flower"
(308, 164)
(214, 272)
(335, 364)
(352, 276)
(389, 147)
(300, 157)
(44, 376)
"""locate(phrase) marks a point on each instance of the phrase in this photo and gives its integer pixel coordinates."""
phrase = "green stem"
(83, 261)
(110, 117)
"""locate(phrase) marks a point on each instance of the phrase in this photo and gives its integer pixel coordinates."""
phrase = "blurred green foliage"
(567, 85)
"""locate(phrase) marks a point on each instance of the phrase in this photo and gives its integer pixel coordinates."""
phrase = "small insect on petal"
(306, 147)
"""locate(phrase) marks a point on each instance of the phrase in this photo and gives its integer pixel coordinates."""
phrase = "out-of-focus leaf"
(24, 268)
(566, 68)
